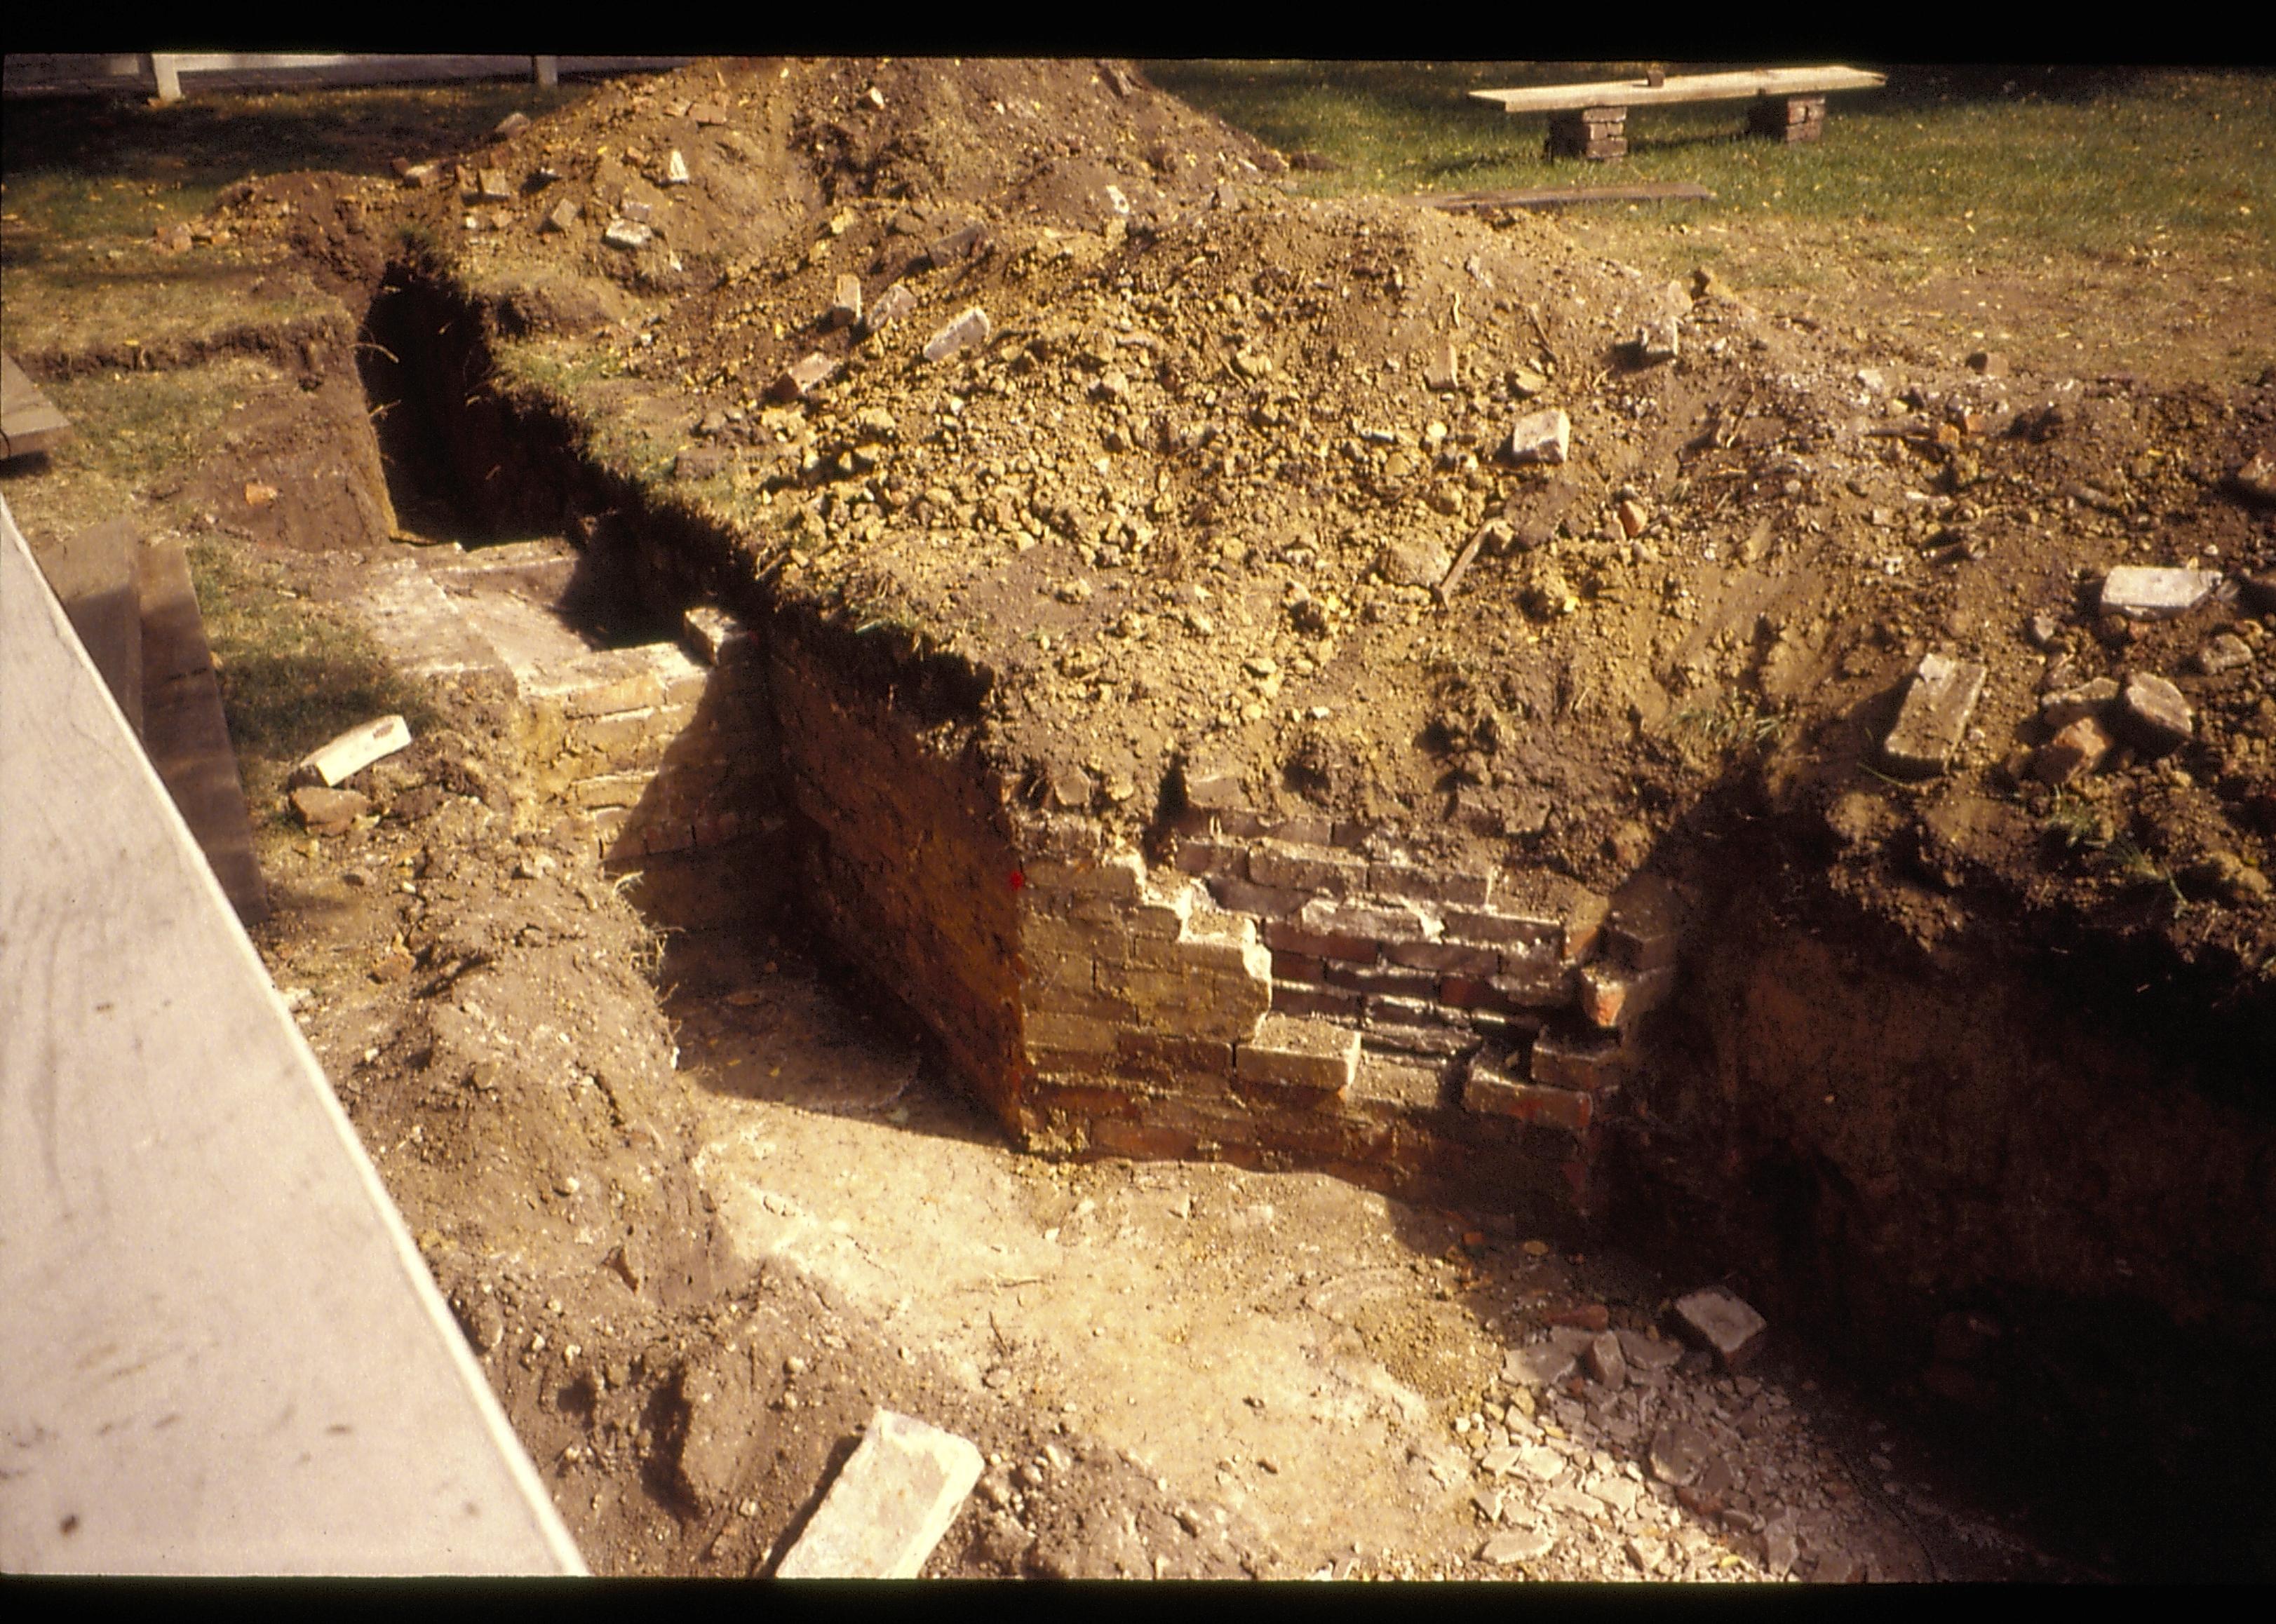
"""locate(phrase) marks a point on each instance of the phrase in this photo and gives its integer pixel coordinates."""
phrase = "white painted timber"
(899, 1490)
(220, 1352)
(334, 763)
(1685, 87)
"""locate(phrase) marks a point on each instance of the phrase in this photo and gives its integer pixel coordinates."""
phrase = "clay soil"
(1191, 501)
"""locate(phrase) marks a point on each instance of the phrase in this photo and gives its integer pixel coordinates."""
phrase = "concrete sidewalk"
(220, 1352)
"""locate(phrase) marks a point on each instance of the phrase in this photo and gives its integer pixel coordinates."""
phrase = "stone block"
(1719, 1321)
(1308, 868)
(2152, 714)
(2140, 592)
(891, 1503)
(1937, 709)
(1299, 1054)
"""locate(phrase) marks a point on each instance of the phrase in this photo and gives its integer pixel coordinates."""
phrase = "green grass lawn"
(1995, 165)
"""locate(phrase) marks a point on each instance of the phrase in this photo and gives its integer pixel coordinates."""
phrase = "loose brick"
(1288, 999)
(1429, 885)
(1283, 937)
(1300, 1053)
(714, 636)
(971, 328)
(2079, 748)
(2153, 714)
(1443, 957)
(1496, 925)
(1266, 902)
(1937, 709)
(1591, 1061)
(1308, 868)
(1381, 921)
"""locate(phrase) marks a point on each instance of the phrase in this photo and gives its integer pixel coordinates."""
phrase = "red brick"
(1568, 1110)
(1444, 955)
(1470, 992)
(1284, 937)
(1291, 1000)
(1205, 855)
(1161, 1055)
(1372, 979)
(1587, 1060)
(1296, 967)
(1141, 1141)
(1266, 902)
(1317, 869)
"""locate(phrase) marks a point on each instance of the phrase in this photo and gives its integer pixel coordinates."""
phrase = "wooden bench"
(1591, 121)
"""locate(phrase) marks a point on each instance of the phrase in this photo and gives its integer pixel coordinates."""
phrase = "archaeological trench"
(1326, 685)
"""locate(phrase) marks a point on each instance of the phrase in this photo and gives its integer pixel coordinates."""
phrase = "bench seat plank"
(1686, 87)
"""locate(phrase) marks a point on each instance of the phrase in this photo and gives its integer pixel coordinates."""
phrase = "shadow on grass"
(293, 674)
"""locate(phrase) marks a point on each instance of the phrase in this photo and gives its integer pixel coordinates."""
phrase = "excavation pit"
(1554, 786)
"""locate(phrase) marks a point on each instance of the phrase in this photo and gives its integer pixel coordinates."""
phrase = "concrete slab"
(896, 1497)
(94, 575)
(29, 421)
(185, 731)
(222, 1352)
